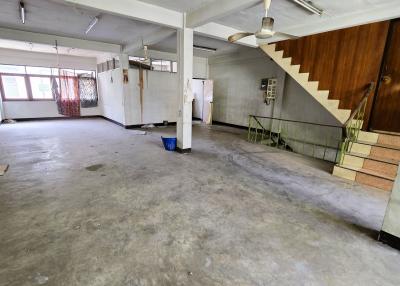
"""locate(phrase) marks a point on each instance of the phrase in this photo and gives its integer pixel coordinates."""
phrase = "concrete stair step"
(295, 68)
(378, 165)
(364, 177)
(370, 137)
(323, 94)
(303, 79)
(383, 151)
(342, 114)
(389, 140)
(287, 62)
(385, 160)
(334, 103)
(392, 147)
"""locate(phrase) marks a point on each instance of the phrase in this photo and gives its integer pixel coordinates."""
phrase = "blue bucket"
(169, 143)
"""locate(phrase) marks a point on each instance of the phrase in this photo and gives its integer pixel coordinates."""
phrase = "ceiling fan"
(266, 30)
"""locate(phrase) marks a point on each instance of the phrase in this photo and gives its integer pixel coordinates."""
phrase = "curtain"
(87, 91)
(68, 102)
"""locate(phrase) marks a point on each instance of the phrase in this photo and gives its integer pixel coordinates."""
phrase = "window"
(136, 59)
(38, 70)
(55, 72)
(14, 87)
(12, 69)
(41, 88)
(32, 83)
(161, 65)
(84, 72)
(174, 67)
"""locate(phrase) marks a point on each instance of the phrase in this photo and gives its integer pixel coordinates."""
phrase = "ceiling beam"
(221, 32)
(150, 39)
(216, 10)
(47, 39)
(136, 10)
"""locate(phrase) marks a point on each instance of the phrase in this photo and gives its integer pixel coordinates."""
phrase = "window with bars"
(28, 83)
(159, 64)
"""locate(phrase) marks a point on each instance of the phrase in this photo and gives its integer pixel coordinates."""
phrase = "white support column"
(185, 58)
(390, 233)
(124, 65)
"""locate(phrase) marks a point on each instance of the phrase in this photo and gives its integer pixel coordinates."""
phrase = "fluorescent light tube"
(204, 48)
(22, 11)
(91, 24)
(309, 6)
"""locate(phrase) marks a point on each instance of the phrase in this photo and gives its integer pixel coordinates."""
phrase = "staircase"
(373, 160)
(331, 105)
(368, 158)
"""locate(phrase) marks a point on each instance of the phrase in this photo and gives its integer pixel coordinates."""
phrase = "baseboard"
(54, 118)
(138, 126)
(229, 125)
(91, 116)
(389, 239)
(112, 121)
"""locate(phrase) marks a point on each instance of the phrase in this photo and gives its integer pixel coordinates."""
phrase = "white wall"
(41, 109)
(121, 102)
(160, 98)
(2, 117)
(200, 68)
(237, 94)
(111, 95)
(237, 81)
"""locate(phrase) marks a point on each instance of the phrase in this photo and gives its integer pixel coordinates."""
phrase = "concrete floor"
(86, 202)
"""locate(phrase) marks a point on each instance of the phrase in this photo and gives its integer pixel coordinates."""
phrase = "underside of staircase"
(373, 160)
(322, 96)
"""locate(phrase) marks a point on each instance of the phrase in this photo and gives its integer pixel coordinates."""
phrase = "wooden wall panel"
(343, 61)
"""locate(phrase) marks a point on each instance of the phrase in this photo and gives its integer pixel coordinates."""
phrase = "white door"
(208, 101)
(198, 94)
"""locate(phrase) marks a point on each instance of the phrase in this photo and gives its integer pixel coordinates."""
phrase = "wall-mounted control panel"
(270, 86)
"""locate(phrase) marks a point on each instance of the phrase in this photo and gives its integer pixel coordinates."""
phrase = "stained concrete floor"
(86, 202)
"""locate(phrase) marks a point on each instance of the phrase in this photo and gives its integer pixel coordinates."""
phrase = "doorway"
(203, 100)
(386, 109)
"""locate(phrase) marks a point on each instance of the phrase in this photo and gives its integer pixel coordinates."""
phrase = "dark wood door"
(386, 110)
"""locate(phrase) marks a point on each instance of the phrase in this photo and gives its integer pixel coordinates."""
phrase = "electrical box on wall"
(269, 85)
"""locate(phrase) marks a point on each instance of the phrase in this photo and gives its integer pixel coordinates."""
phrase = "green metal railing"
(353, 125)
(316, 140)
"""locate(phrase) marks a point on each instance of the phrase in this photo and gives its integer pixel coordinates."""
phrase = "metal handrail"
(347, 133)
(352, 127)
(292, 135)
(362, 103)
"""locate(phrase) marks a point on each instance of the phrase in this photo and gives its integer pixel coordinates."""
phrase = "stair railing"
(311, 139)
(352, 127)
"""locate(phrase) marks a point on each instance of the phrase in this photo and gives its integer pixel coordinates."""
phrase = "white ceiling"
(51, 17)
(180, 5)
(56, 17)
(40, 48)
(289, 16)
(169, 45)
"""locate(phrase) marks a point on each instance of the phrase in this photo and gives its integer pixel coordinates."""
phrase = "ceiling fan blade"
(291, 37)
(239, 36)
